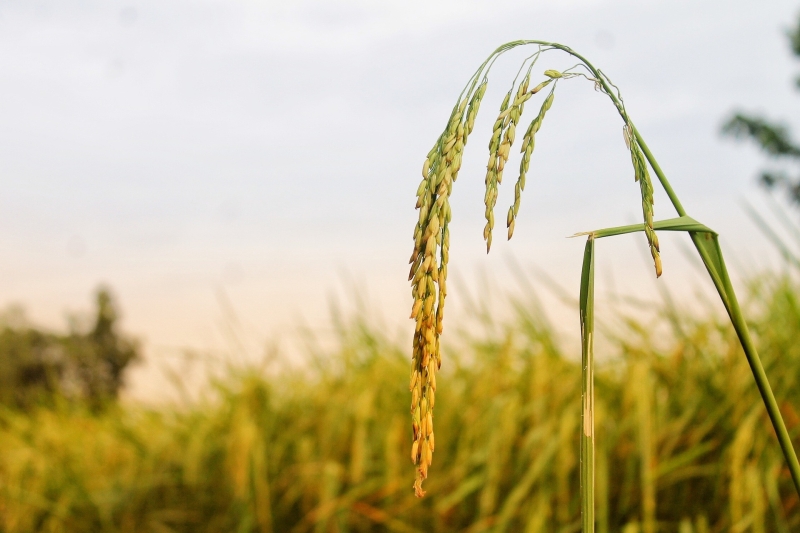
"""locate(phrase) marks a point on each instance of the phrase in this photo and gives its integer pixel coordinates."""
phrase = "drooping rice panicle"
(428, 274)
(642, 175)
(527, 149)
(504, 128)
(491, 171)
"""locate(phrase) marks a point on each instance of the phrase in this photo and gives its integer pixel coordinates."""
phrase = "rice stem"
(587, 387)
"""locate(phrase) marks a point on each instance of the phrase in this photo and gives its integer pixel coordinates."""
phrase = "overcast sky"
(266, 154)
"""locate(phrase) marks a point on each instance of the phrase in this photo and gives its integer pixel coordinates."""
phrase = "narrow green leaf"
(708, 247)
(684, 459)
(709, 250)
(522, 489)
(684, 223)
(462, 491)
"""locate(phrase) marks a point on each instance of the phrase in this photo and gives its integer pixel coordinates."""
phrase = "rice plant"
(430, 256)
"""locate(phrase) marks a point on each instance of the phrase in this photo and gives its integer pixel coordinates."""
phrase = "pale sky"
(269, 151)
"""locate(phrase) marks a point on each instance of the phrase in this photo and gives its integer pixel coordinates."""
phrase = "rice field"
(683, 442)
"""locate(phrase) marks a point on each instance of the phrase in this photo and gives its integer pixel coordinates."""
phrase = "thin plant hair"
(428, 275)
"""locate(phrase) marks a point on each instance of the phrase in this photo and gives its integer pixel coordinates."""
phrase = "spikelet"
(642, 175)
(472, 110)
(428, 273)
(527, 150)
(504, 130)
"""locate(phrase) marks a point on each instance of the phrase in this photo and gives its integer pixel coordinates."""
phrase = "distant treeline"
(86, 363)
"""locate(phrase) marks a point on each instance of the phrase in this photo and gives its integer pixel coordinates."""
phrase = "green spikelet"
(642, 176)
(527, 149)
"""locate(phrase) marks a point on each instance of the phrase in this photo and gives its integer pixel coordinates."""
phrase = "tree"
(773, 138)
(97, 359)
(86, 363)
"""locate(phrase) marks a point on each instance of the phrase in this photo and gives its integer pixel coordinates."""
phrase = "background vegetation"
(773, 138)
(684, 443)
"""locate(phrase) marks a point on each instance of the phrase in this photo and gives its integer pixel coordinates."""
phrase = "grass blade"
(684, 223)
(773, 237)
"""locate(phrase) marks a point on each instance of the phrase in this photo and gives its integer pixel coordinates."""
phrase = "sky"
(249, 162)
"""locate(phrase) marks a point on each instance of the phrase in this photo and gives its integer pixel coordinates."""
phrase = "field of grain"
(683, 440)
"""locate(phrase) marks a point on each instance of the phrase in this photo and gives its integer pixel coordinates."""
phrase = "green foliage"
(36, 365)
(681, 436)
(773, 138)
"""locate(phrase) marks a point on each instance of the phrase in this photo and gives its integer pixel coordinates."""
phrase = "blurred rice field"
(684, 443)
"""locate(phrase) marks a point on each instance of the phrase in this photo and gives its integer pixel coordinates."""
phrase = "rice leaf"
(684, 223)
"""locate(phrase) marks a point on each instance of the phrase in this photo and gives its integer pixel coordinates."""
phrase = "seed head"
(505, 131)
(527, 149)
(429, 265)
(642, 176)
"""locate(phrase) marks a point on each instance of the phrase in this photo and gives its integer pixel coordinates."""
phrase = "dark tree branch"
(772, 138)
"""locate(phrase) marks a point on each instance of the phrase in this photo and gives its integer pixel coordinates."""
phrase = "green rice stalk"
(587, 388)
(642, 392)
